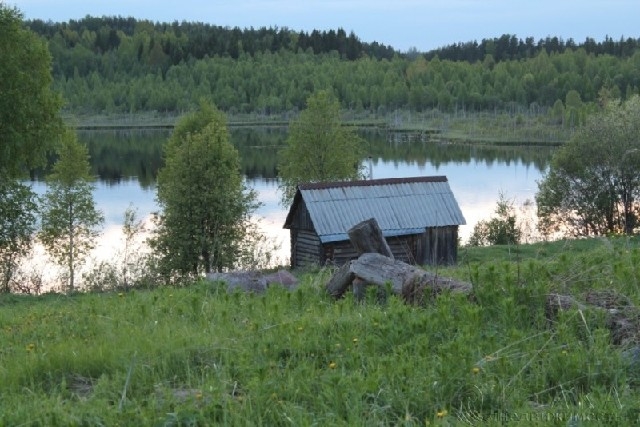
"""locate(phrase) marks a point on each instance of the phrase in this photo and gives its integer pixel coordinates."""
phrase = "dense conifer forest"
(123, 65)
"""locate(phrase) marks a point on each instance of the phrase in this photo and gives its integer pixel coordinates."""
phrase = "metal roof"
(400, 205)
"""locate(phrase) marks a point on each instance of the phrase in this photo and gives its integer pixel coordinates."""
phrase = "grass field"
(198, 355)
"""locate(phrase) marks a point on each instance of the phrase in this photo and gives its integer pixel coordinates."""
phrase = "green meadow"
(199, 355)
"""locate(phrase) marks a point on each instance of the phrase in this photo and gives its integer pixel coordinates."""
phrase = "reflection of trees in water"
(258, 148)
(125, 154)
(403, 147)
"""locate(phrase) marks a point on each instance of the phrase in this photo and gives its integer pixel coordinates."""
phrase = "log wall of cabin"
(305, 249)
(403, 248)
(438, 246)
(305, 243)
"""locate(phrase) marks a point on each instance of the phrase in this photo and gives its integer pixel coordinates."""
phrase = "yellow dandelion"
(31, 347)
(355, 340)
(333, 365)
(199, 395)
(475, 370)
(441, 414)
(300, 328)
(120, 294)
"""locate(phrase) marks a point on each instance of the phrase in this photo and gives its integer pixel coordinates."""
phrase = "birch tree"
(319, 148)
(70, 219)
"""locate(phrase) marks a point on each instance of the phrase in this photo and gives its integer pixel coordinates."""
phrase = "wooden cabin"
(418, 216)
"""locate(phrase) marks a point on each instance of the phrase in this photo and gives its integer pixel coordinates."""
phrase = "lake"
(126, 163)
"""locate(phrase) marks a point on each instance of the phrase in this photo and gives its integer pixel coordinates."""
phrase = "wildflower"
(475, 370)
(441, 414)
(199, 395)
(120, 294)
(565, 352)
(355, 340)
(333, 365)
(31, 347)
(300, 328)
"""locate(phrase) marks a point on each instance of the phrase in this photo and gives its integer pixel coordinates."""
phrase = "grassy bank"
(475, 128)
(201, 356)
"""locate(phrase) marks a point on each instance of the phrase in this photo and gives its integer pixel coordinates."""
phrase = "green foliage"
(119, 65)
(592, 187)
(29, 110)
(69, 216)
(18, 209)
(129, 267)
(318, 147)
(199, 355)
(500, 230)
(206, 207)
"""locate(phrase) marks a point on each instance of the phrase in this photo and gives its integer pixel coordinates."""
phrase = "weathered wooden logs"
(411, 282)
(376, 266)
(366, 237)
(340, 281)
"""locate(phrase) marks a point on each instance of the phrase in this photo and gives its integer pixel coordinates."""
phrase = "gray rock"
(283, 278)
(247, 281)
(254, 281)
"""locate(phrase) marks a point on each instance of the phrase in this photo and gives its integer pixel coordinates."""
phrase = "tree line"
(162, 45)
(121, 65)
(509, 47)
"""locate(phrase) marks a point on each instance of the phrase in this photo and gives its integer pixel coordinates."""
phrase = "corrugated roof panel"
(396, 204)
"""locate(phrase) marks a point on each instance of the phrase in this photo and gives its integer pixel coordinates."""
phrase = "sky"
(401, 24)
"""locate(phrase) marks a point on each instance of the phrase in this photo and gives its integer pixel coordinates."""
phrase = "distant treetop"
(509, 47)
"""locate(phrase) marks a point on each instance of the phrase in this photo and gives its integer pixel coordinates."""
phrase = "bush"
(500, 230)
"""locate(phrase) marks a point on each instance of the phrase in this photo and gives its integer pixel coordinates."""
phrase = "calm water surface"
(127, 163)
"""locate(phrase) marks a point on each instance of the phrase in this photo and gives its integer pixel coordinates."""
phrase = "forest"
(118, 65)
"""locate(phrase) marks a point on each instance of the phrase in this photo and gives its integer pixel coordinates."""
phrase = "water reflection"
(123, 154)
(127, 162)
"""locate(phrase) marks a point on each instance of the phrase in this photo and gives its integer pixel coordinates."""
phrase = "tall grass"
(199, 355)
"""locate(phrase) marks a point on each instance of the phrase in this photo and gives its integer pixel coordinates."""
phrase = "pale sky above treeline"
(401, 24)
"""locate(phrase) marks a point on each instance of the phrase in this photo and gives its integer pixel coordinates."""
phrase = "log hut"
(418, 216)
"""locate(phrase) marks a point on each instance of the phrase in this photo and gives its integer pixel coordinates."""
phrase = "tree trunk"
(71, 249)
(366, 237)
